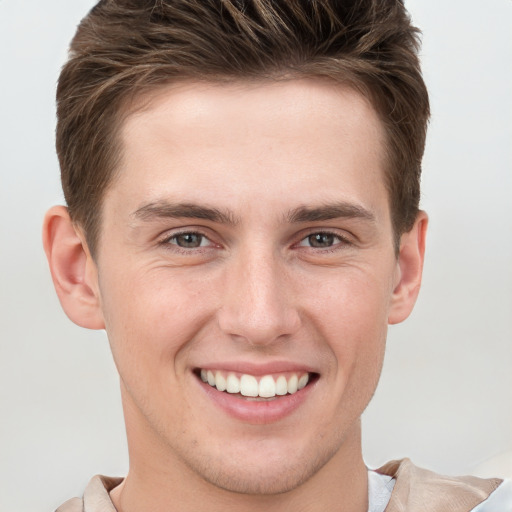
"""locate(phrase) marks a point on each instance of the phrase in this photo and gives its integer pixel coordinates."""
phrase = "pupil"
(321, 240)
(189, 240)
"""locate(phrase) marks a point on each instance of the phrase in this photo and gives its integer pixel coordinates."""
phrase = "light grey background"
(445, 397)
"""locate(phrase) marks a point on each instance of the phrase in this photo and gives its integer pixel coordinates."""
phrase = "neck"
(158, 483)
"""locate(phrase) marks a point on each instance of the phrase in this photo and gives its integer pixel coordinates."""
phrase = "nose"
(258, 303)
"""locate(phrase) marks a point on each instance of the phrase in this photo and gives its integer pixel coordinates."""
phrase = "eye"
(189, 240)
(321, 240)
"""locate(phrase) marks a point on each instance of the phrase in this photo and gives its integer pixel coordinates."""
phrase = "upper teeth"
(248, 385)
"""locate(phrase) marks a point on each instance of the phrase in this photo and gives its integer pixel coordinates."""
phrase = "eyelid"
(343, 239)
(203, 240)
(165, 239)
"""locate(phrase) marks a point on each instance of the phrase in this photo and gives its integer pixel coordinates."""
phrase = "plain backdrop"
(445, 397)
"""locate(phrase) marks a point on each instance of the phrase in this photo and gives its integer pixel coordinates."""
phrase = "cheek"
(351, 305)
(351, 316)
(150, 317)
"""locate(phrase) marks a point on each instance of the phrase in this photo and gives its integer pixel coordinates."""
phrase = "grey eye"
(321, 240)
(189, 240)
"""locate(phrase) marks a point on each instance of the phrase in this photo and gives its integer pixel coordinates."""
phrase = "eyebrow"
(166, 210)
(330, 211)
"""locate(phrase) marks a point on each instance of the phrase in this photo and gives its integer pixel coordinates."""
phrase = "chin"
(262, 472)
(264, 480)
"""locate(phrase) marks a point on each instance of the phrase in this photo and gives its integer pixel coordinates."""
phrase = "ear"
(409, 270)
(73, 270)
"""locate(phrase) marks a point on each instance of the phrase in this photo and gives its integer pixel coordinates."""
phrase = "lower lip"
(257, 412)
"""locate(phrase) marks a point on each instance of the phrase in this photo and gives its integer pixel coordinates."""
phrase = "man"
(242, 181)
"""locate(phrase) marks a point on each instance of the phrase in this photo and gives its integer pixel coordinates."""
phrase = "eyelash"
(341, 241)
(337, 245)
(167, 243)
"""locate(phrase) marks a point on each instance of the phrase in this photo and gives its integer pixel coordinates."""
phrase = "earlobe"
(73, 270)
(410, 268)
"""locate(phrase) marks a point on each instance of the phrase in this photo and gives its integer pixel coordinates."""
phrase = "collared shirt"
(398, 486)
(420, 490)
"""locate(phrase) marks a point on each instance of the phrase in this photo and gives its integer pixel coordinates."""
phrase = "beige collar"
(418, 490)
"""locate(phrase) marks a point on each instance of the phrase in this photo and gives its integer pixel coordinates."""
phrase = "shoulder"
(72, 505)
(416, 487)
(96, 496)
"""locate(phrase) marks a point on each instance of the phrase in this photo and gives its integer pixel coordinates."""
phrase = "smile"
(266, 386)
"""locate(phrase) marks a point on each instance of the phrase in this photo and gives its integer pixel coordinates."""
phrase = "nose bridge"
(257, 304)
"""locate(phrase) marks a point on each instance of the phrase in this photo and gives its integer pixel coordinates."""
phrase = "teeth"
(267, 387)
(248, 385)
(292, 384)
(233, 384)
(302, 381)
(281, 385)
(220, 382)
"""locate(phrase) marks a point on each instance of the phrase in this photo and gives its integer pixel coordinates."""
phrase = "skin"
(261, 163)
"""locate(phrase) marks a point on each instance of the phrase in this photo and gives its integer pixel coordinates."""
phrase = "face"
(247, 243)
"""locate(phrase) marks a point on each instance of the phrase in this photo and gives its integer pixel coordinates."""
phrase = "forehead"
(281, 140)
(253, 104)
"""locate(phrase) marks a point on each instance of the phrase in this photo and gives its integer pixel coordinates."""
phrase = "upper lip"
(257, 369)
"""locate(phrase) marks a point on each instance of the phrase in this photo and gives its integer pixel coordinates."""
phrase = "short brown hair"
(124, 48)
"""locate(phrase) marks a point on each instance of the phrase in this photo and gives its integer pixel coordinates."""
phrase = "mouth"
(256, 388)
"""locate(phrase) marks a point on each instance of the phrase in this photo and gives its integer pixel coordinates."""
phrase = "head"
(242, 181)
(125, 49)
